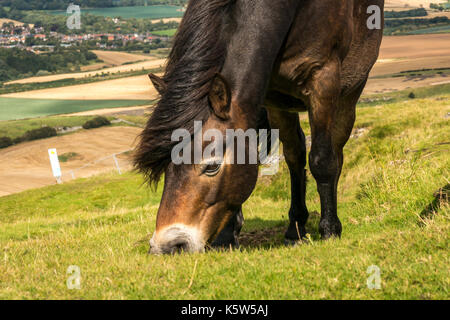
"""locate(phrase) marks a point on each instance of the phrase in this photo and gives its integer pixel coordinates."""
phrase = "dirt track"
(27, 166)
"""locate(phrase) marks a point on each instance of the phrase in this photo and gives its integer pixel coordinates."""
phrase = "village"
(37, 39)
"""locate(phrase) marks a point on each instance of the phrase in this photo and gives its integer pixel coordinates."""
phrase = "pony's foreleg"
(294, 149)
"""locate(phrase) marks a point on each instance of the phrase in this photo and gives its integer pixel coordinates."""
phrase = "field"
(408, 4)
(441, 29)
(150, 12)
(167, 33)
(408, 53)
(21, 108)
(117, 58)
(26, 165)
(16, 128)
(16, 23)
(103, 224)
(148, 64)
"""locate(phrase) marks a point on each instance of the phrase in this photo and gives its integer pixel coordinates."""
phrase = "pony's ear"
(220, 97)
(158, 83)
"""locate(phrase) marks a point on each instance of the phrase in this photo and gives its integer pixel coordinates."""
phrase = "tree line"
(419, 12)
(17, 63)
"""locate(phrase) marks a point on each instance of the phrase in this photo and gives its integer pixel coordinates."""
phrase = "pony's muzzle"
(176, 239)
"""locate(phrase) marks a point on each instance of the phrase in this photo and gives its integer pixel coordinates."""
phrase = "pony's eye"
(212, 169)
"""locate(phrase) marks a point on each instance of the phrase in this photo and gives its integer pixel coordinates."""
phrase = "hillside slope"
(103, 224)
(26, 166)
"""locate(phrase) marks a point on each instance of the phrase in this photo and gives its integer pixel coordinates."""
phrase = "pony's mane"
(198, 53)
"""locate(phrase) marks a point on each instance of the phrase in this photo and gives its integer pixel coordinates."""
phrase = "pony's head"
(210, 167)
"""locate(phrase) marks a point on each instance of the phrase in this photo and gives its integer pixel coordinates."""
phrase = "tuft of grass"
(66, 157)
(103, 224)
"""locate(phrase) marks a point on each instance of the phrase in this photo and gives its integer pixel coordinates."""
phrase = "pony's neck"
(259, 31)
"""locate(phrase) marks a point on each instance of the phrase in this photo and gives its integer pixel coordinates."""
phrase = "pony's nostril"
(180, 248)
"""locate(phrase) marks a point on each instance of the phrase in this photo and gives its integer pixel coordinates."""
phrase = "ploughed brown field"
(407, 53)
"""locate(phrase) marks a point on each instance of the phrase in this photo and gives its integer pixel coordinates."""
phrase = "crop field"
(128, 88)
(167, 33)
(21, 108)
(408, 4)
(116, 58)
(149, 12)
(103, 225)
(148, 64)
(16, 128)
(440, 29)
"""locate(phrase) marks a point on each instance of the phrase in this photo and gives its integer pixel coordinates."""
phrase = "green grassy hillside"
(103, 224)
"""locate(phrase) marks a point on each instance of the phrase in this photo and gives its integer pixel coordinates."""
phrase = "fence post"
(117, 163)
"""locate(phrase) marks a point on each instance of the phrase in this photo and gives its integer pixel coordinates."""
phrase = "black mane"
(198, 53)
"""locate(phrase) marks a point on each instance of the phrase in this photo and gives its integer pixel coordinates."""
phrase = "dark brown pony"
(231, 61)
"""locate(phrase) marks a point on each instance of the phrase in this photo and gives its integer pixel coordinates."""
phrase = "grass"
(103, 225)
(149, 12)
(65, 157)
(17, 128)
(21, 108)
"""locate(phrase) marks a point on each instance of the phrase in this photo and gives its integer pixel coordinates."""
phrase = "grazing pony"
(240, 64)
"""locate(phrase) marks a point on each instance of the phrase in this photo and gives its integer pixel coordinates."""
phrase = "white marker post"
(54, 161)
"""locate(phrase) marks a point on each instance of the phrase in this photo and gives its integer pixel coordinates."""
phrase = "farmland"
(167, 33)
(20, 108)
(26, 166)
(143, 65)
(149, 12)
(103, 224)
(410, 53)
(397, 158)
